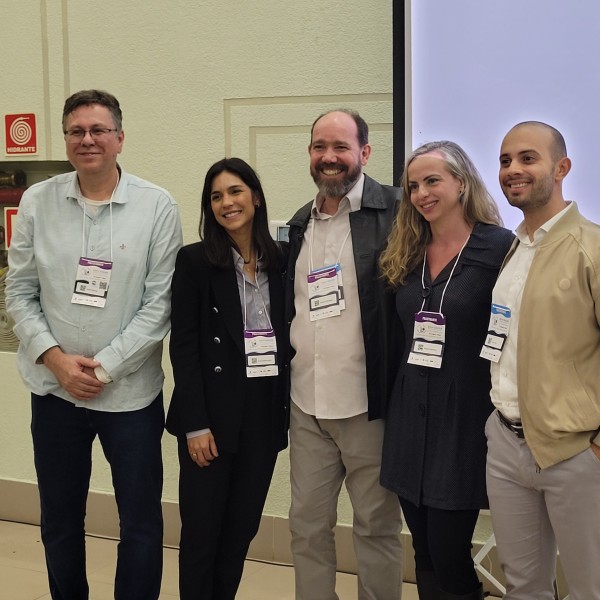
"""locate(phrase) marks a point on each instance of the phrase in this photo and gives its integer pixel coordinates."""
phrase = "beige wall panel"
(273, 134)
(196, 79)
(32, 77)
(21, 80)
(176, 66)
(55, 77)
(16, 456)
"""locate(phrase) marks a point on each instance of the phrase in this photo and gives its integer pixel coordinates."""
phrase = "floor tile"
(22, 584)
(23, 571)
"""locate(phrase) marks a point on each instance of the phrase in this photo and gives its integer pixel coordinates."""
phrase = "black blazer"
(207, 351)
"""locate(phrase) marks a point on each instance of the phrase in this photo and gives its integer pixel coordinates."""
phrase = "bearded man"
(338, 380)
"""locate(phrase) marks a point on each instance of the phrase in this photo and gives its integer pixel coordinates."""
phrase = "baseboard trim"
(20, 503)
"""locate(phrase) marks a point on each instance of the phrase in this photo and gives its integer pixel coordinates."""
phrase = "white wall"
(197, 79)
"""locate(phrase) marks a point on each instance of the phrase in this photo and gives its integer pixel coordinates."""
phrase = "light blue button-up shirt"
(52, 231)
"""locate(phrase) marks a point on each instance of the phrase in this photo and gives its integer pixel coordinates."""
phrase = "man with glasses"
(90, 267)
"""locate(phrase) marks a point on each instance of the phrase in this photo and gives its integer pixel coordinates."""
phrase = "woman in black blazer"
(228, 408)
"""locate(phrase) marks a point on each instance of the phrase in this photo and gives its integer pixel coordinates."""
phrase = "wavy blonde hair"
(411, 233)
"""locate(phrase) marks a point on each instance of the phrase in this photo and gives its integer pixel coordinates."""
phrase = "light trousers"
(534, 511)
(323, 454)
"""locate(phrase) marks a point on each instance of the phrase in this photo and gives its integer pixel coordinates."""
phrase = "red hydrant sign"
(21, 134)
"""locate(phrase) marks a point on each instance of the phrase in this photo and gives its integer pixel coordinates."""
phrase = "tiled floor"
(23, 571)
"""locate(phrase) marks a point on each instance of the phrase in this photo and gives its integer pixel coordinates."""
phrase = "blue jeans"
(62, 439)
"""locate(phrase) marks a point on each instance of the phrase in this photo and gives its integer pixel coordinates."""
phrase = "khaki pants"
(324, 453)
(534, 511)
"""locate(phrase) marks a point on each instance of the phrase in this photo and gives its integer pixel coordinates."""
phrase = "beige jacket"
(558, 345)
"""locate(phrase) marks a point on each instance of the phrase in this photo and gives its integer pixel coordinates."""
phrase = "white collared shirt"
(508, 291)
(328, 373)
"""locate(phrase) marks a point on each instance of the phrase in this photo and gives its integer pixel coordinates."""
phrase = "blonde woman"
(442, 259)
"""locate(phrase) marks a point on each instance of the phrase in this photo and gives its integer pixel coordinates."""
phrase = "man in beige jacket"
(543, 467)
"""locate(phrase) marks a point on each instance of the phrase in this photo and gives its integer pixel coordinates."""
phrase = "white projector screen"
(479, 66)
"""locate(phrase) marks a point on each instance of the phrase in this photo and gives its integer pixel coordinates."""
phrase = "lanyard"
(449, 278)
(311, 267)
(83, 252)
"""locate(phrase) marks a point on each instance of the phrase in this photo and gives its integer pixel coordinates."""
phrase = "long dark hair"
(217, 241)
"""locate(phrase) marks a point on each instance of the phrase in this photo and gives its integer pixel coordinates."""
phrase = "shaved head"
(558, 148)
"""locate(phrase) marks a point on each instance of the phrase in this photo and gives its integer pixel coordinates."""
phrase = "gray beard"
(333, 189)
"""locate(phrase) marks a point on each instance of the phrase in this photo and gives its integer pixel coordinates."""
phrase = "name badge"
(340, 286)
(497, 333)
(325, 293)
(91, 282)
(261, 353)
(429, 338)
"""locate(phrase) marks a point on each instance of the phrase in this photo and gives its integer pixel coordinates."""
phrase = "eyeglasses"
(97, 133)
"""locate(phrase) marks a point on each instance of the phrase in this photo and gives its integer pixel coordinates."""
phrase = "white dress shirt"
(328, 374)
(508, 292)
